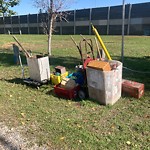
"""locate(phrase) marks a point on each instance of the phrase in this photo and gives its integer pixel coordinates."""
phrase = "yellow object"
(57, 79)
(101, 42)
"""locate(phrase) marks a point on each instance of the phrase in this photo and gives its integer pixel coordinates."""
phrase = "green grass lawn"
(74, 124)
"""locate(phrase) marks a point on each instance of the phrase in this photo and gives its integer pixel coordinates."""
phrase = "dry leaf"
(78, 126)
(80, 141)
(62, 138)
(23, 115)
(23, 123)
(69, 103)
(93, 108)
(128, 143)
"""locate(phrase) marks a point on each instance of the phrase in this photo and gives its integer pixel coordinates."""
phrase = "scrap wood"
(98, 50)
(77, 47)
(25, 51)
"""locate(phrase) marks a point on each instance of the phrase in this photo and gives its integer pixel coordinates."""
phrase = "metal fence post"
(11, 24)
(90, 20)
(60, 27)
(74, 22)
(19, 25)
(108, 18)
(123, 18)
(28, 24)
(129, 19)
(4, 24)
(38, 23)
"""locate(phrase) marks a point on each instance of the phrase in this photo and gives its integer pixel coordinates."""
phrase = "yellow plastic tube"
(101, 42)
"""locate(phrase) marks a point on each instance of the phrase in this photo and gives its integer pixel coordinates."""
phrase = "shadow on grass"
(7, 58)
(80, 102)
(15, 81)
(140, 69)
(135, 63)
(21, 81)
(69, 62)
(7, 144)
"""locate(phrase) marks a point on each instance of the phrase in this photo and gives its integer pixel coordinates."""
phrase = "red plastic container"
(132, 88)
(66, 93)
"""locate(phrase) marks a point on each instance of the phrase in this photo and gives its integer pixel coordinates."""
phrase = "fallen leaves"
(62, 138)
(79, 126)
(23, 115)
(128, 143)
(23, 123)
(93, 108)
(80, 141)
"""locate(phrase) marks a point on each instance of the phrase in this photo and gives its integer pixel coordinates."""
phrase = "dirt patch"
(8, 45)
(11, 139)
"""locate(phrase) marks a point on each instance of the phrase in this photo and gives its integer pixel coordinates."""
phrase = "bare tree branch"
(55, 9)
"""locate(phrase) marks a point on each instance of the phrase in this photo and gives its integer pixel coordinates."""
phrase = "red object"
(86, 61)
(132, 88)
(66, 93)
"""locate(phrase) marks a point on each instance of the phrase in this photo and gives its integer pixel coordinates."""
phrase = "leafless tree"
(55, 9)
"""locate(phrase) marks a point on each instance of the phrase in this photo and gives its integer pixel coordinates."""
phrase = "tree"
(5, 6)
(54, 9)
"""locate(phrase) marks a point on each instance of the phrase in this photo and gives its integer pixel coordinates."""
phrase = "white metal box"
(105, 86)
(39, 69)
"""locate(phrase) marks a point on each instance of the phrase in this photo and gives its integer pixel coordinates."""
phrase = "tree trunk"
(50, 28)
(50, 35)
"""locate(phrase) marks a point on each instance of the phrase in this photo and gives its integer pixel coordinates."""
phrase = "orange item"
(99, 65)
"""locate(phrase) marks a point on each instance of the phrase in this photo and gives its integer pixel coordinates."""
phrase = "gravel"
(11, 139)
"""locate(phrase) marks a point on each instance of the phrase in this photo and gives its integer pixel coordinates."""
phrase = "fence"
(108, 21)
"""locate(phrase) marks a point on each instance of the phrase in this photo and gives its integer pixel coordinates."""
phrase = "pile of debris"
(98, 78)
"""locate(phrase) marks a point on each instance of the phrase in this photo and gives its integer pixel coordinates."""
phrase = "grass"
(74, 124)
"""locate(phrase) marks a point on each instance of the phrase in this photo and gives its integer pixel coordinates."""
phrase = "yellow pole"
(101, 42)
